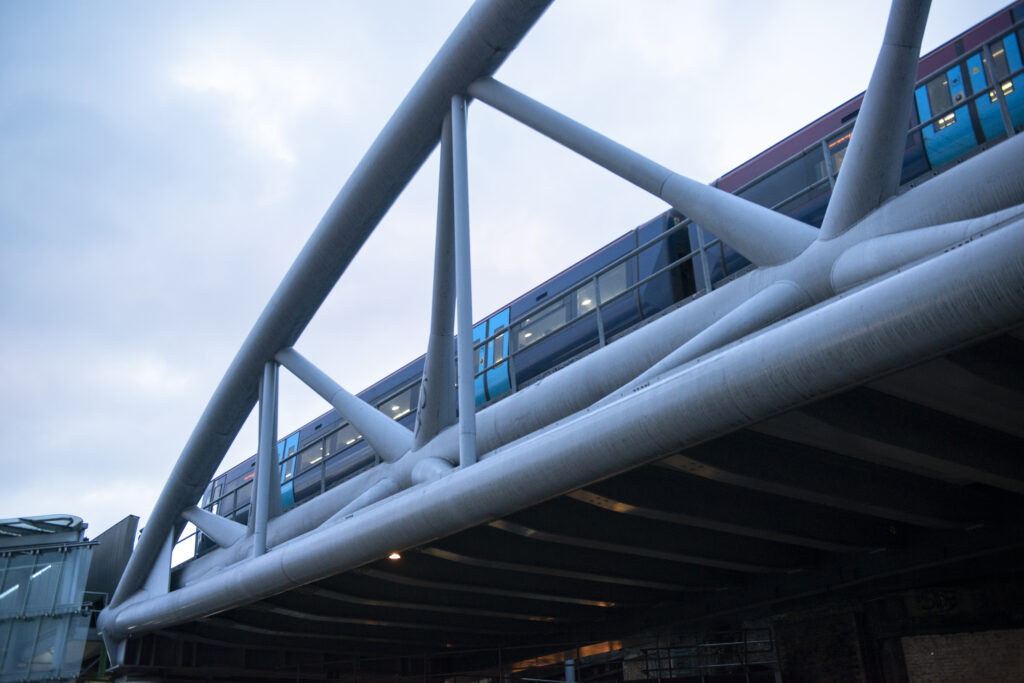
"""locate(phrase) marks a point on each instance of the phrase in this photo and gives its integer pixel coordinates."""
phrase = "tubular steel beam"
(463, 283)
(265, 456)
(388, 438)
(871, 168)
(895, 322)
(476, 48)
(764, 236)
(437, 390)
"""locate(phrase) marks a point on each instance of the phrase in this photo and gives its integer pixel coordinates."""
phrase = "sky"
(162, 163)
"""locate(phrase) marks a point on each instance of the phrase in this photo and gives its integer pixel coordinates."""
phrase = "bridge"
(841, 421)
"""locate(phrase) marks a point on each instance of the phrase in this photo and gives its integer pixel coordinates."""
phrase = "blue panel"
(957, 136)
(285, 449)
(497, 321)
(956, 87)
(1015, 98)
(479, 334)
(498, 381)
(287, 496)
(988, 111)
(478, 385)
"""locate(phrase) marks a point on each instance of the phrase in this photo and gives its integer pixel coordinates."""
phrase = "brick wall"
(986, 656)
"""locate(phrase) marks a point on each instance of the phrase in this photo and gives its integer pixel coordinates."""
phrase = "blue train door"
(285, 450)
(953, 133)
(1006, 58)
(491, 358)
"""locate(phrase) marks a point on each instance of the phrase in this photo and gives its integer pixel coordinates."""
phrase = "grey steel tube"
(871, 168)
(463, 284)
(437, 390)
(388, 438)
(898, 321)
(476, 48)
(764, 236)
(265, 456)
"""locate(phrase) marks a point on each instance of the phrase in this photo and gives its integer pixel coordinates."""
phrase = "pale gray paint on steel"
(265, 456)
(914, 314)
(221, 530)
(476, 48)
(436, 408)
(871, 168)
(911, 314)
(1000, 182)
(463, 285)
(388, 438)
(764, 236)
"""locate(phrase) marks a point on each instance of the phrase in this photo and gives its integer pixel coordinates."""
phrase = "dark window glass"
(614, 282)
(786, 181)
(400, 405)
(243, 494)
(499, 348)
(542, 323)
(837, 148)
(340, 440)
(1000, 63)
(311, 455)
(940, 100)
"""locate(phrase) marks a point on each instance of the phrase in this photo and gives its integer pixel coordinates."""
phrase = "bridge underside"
(913, 481)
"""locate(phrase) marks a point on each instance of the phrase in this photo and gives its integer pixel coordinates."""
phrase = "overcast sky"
(162, 163)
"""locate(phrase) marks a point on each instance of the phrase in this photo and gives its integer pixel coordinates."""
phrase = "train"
(969, 96)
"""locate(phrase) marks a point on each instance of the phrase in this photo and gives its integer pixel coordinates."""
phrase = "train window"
(940, 100)
(1000, 63)
(585, 298)
(786, 181)
(543, 323)
(311, 455)
(498, 347)
(243, 494)
(340, 440)
(479, 335)
(837, 148)
(400, 405)
(613, 283)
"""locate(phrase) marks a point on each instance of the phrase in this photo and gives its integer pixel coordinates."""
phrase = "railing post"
(829, 171)
(265, 456)
(463, 286)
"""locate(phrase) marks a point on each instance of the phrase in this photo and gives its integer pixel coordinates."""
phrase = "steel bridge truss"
(887, 281)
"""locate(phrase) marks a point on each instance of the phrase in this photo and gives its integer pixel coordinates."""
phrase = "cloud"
(262, 98)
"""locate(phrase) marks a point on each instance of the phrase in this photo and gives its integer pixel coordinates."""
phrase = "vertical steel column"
(265, 456)
(463, 285)
(437, 404)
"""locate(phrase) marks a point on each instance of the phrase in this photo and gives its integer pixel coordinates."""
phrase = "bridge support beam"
(871, 168)
(764, 236)
(388, 438)
(437, 390)
(476, 48)
(900, 320)
(265, 456)
(463, 283)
